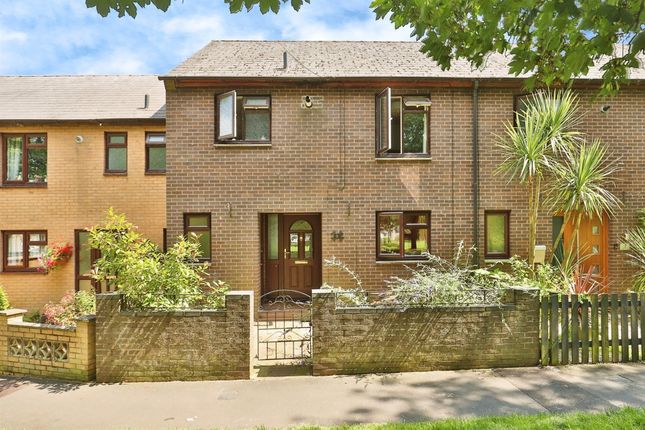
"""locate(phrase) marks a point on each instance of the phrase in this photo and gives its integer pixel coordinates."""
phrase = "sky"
(61, 37)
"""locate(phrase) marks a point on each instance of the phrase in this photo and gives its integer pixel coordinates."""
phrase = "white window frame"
(220, 99)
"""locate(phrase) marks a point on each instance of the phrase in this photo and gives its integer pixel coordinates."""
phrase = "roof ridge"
(82, 76)
(313, 41)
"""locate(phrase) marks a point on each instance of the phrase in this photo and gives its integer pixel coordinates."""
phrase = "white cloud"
(65, 37)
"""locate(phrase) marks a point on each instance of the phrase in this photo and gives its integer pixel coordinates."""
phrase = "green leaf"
(638, 43)
(161, 4)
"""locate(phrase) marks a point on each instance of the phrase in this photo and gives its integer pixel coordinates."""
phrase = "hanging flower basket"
(56, 256)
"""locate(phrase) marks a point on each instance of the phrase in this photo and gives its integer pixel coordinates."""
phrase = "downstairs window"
(403, 235)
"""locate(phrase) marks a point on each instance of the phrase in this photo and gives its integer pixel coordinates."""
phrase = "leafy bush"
(347, 297)
(635, 239)
(4, 300)
(433, 282)
(71, 306)
(448, 283)
(147, 277)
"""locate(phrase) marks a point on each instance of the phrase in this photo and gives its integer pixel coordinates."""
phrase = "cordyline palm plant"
(579, 186)
(545, 129)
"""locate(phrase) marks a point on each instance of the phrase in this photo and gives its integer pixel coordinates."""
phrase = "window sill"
(493, 260)
(115, 173)
(242, 145)
(24, 186)
(404, 158)
(400, 261)
(155, 173)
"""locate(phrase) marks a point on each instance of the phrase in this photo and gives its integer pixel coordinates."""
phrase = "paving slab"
(298, 400)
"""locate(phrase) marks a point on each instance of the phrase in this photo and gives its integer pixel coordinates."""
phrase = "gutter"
(475, 180)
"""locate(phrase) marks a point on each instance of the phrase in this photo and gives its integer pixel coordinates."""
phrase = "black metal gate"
(284, 326)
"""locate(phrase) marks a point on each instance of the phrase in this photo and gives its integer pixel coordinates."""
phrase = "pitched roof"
(81, 98)
(335, 59)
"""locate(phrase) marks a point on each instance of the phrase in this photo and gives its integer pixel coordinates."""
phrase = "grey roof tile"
(336, 59)
(90, 97)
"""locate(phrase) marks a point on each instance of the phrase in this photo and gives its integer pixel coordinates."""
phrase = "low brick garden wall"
(372, 340)
(47, 351)
(173, 345)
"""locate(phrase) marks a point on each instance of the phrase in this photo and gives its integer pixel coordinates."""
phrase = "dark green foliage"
(130, 7)
(555, 39)
(4, 301)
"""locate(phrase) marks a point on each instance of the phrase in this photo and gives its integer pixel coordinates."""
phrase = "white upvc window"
(402, 125)
(243, 118)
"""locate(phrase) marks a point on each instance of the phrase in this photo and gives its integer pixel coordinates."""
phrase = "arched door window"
(300, 240)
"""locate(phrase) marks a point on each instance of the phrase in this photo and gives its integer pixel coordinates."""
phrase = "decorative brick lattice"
(38, 349)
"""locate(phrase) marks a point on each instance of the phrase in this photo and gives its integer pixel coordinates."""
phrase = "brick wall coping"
(13, 312)
(18, 322)
(402, 308)
(231, 295)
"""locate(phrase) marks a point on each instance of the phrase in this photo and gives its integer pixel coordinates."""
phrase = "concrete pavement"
(298, 400)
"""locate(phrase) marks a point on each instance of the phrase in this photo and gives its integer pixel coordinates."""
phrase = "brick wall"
(78, 195)
(180, 345)
(322, 161)
(354, 341)
(47, 351)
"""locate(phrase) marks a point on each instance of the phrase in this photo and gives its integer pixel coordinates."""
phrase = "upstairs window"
(155, 152)
(243, 119)
(23, 249)
(116, 153)
(496, 230)
(197, 226)
(403, 235)
(402, 125)
(25, 159)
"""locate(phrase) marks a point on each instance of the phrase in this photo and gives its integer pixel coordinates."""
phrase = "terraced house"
(73, 146)
(283, 154)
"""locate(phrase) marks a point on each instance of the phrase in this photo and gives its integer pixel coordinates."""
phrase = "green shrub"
(147, 277)
(635, 239)
(33, 317)
(440, 282)
(4, 300)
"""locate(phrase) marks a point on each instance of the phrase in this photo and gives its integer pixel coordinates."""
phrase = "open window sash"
(384, 116)
(227, 115)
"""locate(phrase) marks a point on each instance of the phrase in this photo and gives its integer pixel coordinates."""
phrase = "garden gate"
(284, 326)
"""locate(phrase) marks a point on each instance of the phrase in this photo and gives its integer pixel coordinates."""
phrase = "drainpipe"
(475, 127)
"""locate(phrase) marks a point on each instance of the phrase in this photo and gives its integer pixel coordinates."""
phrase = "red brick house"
(280, 155)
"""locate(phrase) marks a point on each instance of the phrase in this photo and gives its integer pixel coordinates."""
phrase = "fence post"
(595, 340)
(555, 332)
(634, 326)
(604, 329)
(624, 328)
(614, 328)
(575, 330)
(565, 329)
(544, 327)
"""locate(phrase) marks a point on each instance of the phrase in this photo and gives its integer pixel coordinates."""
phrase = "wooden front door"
(292, 252)
(592, 247)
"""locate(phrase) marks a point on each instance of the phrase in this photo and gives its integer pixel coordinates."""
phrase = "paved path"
(292, 401)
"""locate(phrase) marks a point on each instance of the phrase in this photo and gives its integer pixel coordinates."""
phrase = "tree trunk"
(532, 224)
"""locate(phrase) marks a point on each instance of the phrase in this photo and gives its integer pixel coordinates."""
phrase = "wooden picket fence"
(598, 328)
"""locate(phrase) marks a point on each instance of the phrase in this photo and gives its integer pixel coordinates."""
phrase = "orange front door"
(591, 246)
